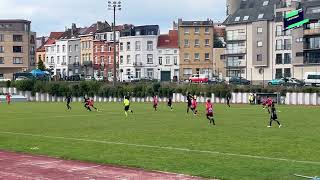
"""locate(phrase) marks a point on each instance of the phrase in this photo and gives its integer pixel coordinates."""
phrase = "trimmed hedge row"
(91, 88)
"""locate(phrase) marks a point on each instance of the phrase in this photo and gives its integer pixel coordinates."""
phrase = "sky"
(55, 15)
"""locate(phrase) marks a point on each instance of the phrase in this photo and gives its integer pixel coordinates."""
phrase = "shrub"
(26, 85)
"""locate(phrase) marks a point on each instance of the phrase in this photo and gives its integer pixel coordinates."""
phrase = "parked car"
(277, 82)
(199, 78)
(99, 78)
(312, 78)
(88, 78)
(286, 82)
(216, 80)
(74, 78)
(239, 81)
(21, 78)
(295, 82)
(4, 80)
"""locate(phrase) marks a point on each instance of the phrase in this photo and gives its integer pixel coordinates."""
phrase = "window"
(186, 31)
(237, 19)
(279, 59)
(138, 58)
(17, 49)
(70, 48)
(150, 46)
(76, 59)
(207, 42)
(175, 60)
(287, 72)
(63, 48)
(109, 48)
(207, 30)
(1, 49)
(160, 60)
(17, 38)
(245, 18)
(150, 59)
(259, 30)
(138, 46)
(175, 51)
(76, 47)
(287, 58)
(196, 43)
(197, 30)
(150, 73)
(187, 72)
(279, 45)
(95, 60)
(265, 3)
(121, 59)
(186, 56)
(58, 59)
(168, 59)
(196, 56)
(186, 43)
(128, 46)
(259, 44)
(287, 44)
(207, 56)
(121, 46)
(1, 37)
(1, 60)
(279, 31)
(102, 48)
(128, 59)
(52, 49)
(278, 73)
(260, 16)
(259, 57)
(52, 60)
(138, 73)
(70, 59)
(17, 60)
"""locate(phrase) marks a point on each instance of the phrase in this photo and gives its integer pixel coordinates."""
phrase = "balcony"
(63, 63)
(76, 64)
(309, 32)
(235, 64)
(237, 38)
(138, 64)
(282, 5)
(235, 51)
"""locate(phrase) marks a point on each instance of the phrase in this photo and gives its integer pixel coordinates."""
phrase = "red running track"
(15, 166)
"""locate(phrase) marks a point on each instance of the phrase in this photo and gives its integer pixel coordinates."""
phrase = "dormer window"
(265, 3)
(237, 19)
(260, 16)
(245, 18)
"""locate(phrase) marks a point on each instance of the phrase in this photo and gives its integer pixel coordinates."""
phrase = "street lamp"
(114, 6)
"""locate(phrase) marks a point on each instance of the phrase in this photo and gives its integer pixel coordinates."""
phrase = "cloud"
(55, 15)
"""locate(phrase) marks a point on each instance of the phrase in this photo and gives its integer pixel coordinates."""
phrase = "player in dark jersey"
(228, 98)
(68, 100)
(170, 103)
(189, 102)
(274, 116)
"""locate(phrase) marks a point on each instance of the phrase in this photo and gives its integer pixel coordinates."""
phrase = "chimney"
(99, 25)
(73, 29)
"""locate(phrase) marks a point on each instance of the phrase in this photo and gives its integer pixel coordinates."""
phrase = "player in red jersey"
(8, 98)
(91, 104)
(194, 105)
(155, 102)
(209, 109)
(269, 103)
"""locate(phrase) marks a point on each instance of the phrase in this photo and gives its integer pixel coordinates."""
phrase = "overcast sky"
(55, 15)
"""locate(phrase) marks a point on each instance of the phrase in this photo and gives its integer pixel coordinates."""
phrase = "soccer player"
(189, 101)
(228, 98)
(194, 105)
(126, 103)
(209, 108)
(269, 103)
(68, 100)
(86, 103)
(91, 104)
(274, 116)
(155, 102)
(8, 98)
(170, 103)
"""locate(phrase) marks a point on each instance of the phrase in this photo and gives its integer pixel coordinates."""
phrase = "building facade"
(17, 47)
(196, 48)
(138, 53)
(168, 56)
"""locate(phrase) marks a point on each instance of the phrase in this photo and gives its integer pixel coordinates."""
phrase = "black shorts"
(169, 104)
(209, 114)
(126, 108)
(155, 105)
(189, 104)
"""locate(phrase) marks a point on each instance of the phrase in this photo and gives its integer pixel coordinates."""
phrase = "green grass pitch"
(239, 147)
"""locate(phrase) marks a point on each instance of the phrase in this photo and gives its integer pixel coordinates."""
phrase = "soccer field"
(239, 147)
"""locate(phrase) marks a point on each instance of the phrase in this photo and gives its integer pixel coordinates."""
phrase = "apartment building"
(87, 48)
(104, 52)
(258, 47)
(196, 48)
(17, 47)
(138, 53)
(168, 56)
(41, 42)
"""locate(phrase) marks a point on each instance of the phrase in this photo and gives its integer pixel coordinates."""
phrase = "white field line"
(40, 117)
(166, 148)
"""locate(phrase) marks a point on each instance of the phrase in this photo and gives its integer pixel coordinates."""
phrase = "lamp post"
(114, 6)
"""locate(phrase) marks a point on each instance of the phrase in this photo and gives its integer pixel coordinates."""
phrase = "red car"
(199, 78)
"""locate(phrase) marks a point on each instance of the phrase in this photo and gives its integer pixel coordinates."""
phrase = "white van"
(312, 78)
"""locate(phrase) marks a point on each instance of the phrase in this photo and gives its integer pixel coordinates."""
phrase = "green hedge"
(92, 88)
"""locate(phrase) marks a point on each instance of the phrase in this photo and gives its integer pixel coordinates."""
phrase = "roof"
(50, 42)
(168, 40)
(196, 23)
(14, 21)
(251, 9)
(55, 35)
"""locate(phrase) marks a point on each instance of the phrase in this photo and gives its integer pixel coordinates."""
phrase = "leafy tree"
(41, 66)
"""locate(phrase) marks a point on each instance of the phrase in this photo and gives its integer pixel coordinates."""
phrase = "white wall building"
(139, 54)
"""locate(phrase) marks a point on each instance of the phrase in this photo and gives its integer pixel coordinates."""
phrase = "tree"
(41, 66)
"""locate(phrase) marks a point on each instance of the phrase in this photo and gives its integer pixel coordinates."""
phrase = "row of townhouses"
(251, 43)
